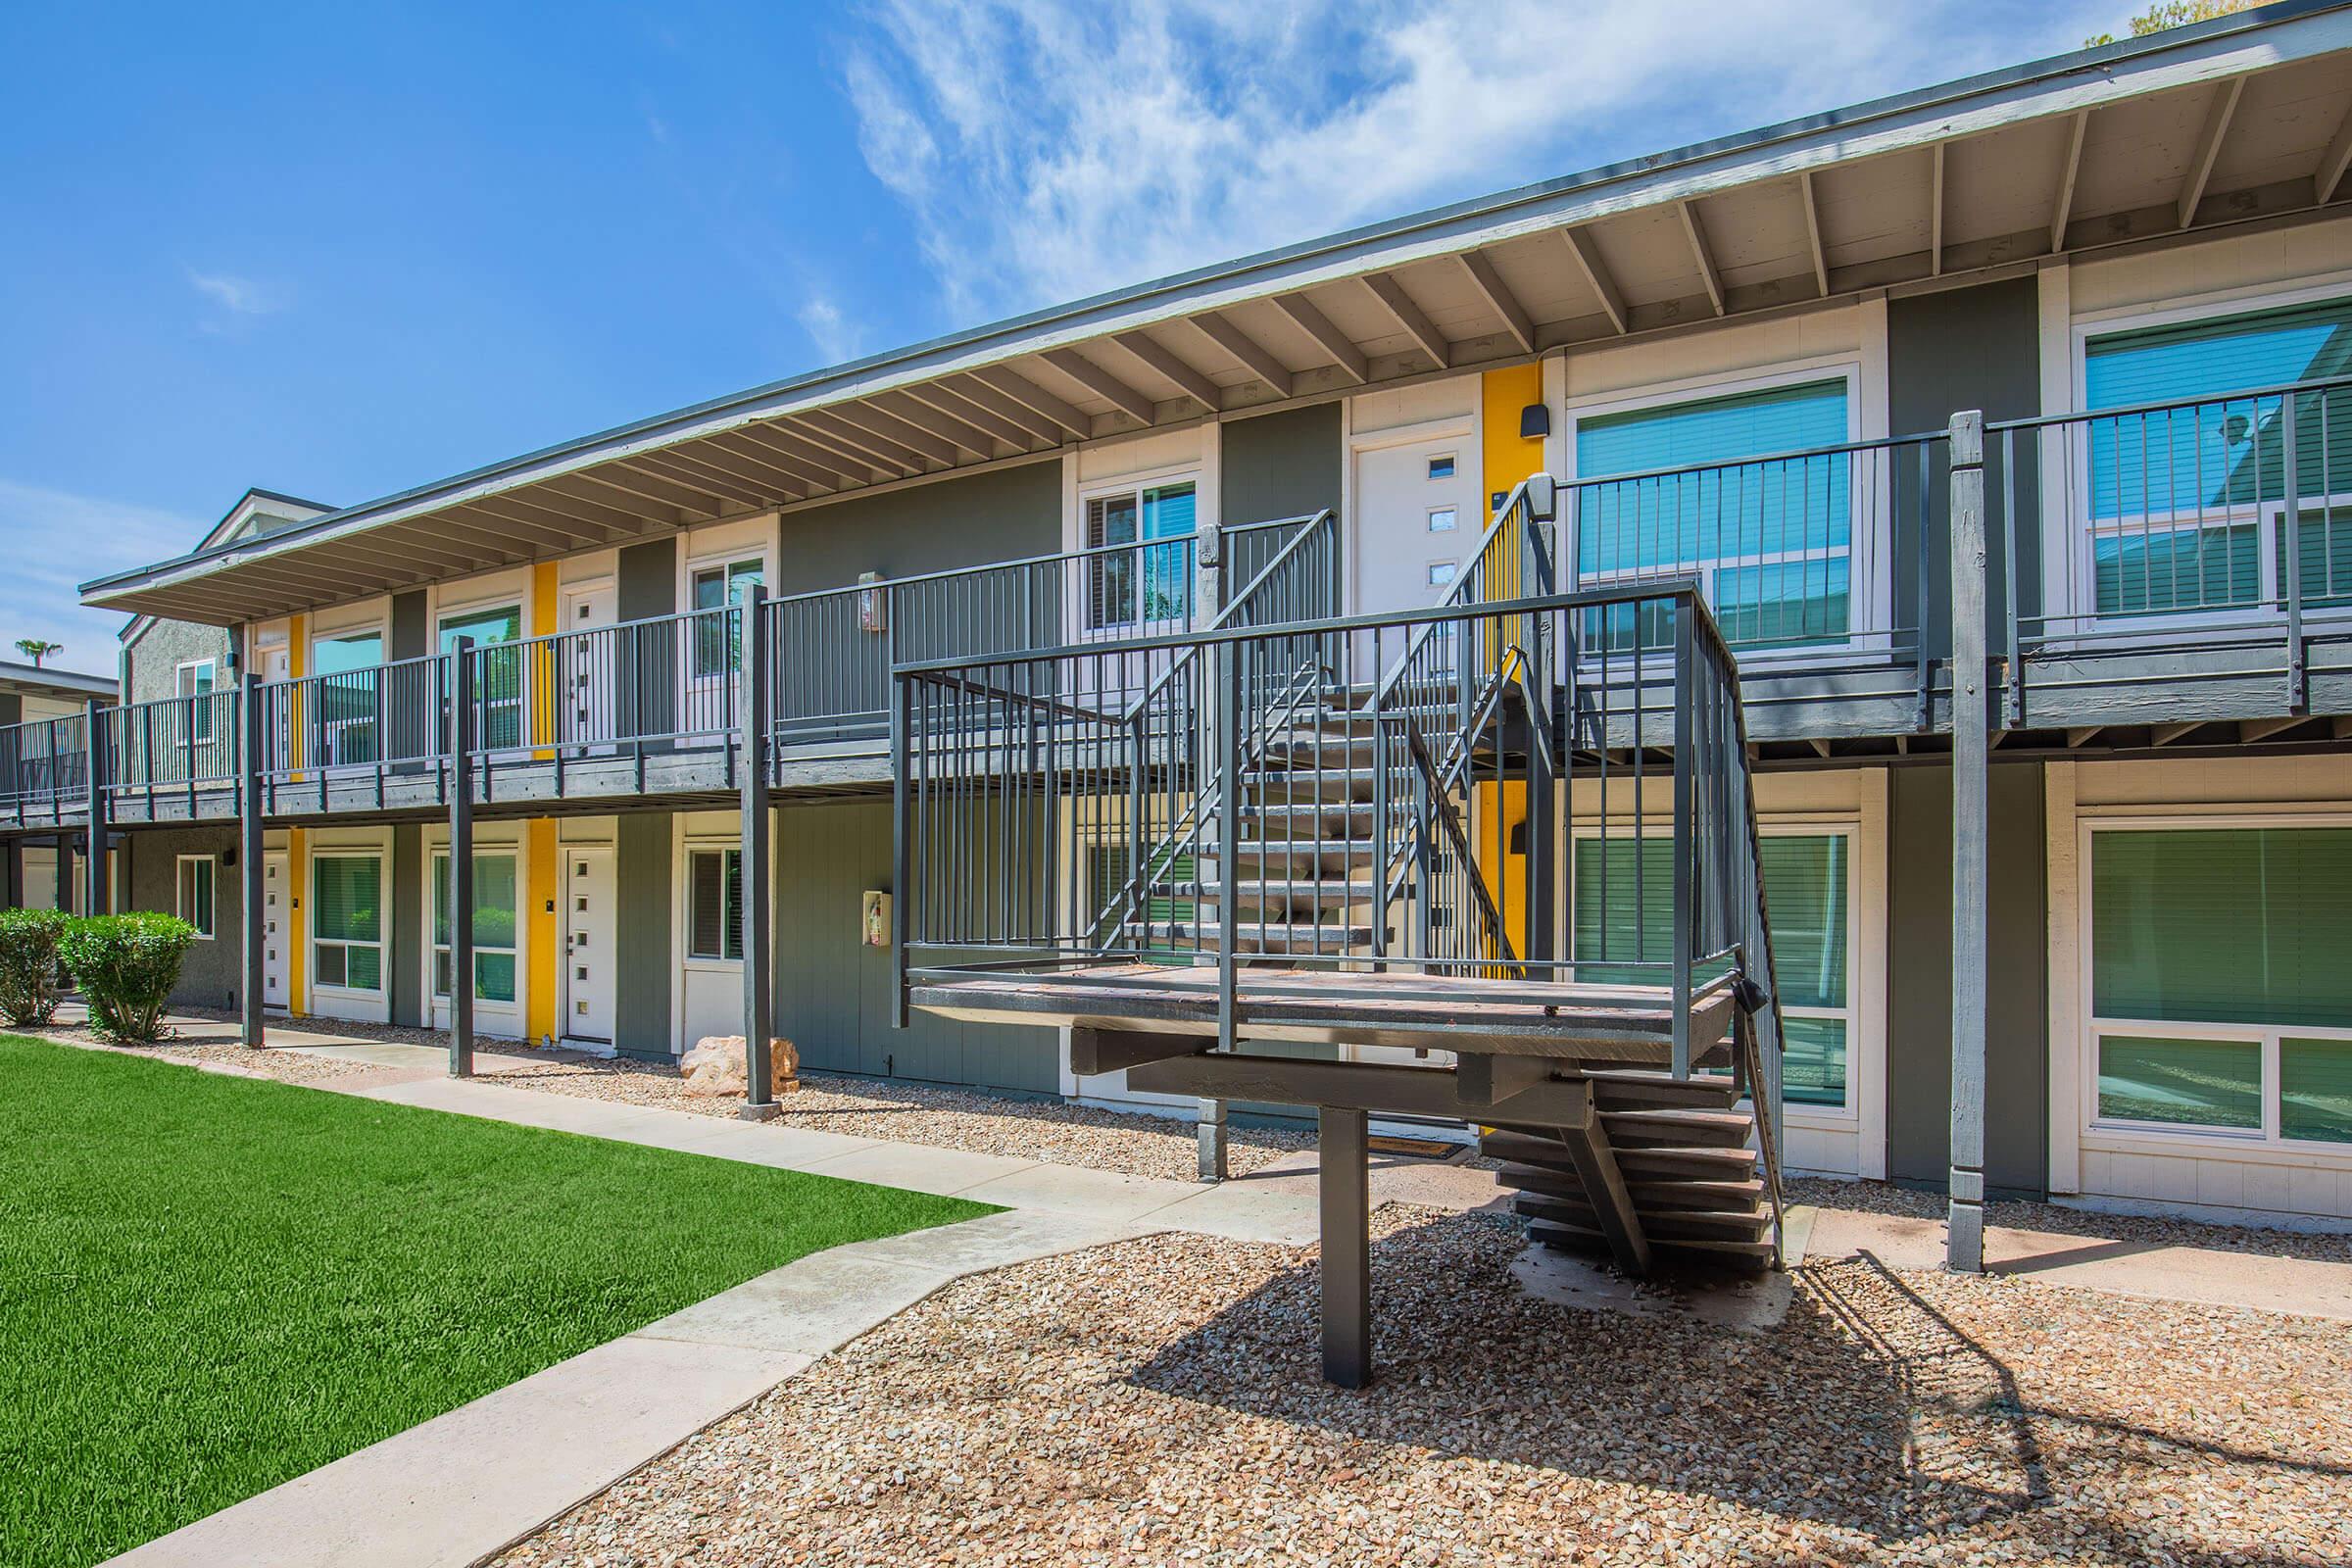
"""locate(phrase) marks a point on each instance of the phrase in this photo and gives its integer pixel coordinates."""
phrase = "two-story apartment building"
(1742, 359)
(43, 873)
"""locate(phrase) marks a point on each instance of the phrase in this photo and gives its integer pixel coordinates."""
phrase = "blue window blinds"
(1771, 534)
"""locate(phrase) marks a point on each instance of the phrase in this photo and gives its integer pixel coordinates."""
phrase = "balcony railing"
(44, 767)
(2204, 523)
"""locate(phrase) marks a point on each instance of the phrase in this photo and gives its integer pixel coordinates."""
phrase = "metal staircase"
(1341, 832)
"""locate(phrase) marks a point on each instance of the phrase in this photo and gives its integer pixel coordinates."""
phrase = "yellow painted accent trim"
(539, 671)
(545, 984)
(1507, 456)
(297, 665)
(1505, 872)
(298, 945)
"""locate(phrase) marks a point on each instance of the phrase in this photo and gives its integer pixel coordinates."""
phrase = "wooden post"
(1344, 1183)
(1964, 1235)
(461, 862)
(94, 888)
(251, 855)
(759, 951)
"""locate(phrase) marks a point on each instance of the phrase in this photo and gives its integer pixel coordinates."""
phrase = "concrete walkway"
(465, 1486)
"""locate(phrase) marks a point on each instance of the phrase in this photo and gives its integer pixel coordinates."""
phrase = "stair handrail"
(1146, 864)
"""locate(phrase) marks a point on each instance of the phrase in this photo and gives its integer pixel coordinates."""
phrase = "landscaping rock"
(716, 1067)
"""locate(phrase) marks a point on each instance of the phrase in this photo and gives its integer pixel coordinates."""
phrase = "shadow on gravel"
(1865, 1410)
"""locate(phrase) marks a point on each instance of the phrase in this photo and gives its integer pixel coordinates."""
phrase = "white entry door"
(587, 711)
(590, 956)
(1418, 517)
(276, 929)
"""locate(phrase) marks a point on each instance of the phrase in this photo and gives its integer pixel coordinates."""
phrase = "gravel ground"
(1158, 1402)
(1883, 1197)
(949, 1119)
(284, 1066)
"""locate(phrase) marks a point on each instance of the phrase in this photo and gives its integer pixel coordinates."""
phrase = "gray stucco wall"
(1281, 465)
(155, 657)
(648, 579)
(149, 862)
(641, 1010)
(1919, 1010)
(1958, 349)
(833, 994)
(412, 638)
(1001, 514)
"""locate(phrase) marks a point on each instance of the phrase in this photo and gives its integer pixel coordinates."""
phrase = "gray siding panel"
(403, 951)
(1281, 465)
(1958, 349)
(210, 973)
(1919, 1008)
(641, 1009)
(411, 637)
(648, 579)
(1003, 514)
(833, 996)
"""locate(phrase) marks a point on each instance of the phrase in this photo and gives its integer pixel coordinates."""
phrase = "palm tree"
(35, 649)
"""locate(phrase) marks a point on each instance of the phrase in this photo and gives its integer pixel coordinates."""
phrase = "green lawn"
(209, 1285)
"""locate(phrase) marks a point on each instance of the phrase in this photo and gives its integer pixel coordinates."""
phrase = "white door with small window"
(590, 954)
(1418, 517)
(714, 642)
(586, 665)
(276, 902)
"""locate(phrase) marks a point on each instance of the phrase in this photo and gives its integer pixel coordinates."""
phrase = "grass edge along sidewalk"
(210, 1284)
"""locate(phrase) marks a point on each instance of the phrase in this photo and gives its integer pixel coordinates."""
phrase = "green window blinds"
(1623, 895)
(494, 902)
(1773, 537)
(2223, 925)
(346, 916)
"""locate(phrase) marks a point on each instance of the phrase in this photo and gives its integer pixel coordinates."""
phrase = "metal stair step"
(1578, 1239)
(1632, 1129)
(1633, 1089)
(1724, 1198)
(1659, 1225)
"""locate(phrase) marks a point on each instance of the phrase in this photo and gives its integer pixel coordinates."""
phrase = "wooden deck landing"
(1564, 1022)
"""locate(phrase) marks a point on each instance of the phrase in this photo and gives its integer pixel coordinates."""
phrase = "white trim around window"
(2089, 1129)
(1870, 544)
(196, 893)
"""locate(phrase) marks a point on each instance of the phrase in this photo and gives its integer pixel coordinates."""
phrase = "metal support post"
(94, 888)
(460, 861)
(1963, 1238)
(1347, 1201)
(250, 856)
(758, 949)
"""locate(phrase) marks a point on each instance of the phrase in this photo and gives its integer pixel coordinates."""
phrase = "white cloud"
(56, 540)
(1049, 149)
(239, 296)
(836, 339)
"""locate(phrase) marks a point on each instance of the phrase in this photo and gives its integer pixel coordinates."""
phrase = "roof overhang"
(2242, 119)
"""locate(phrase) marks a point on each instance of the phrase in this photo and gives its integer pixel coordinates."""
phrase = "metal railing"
(1809, 556)
(1022, 776)
(44, 766)
(2211, 522)
(170, 746)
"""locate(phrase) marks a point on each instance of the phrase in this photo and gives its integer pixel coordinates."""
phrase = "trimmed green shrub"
(29, 981)
(126, 966)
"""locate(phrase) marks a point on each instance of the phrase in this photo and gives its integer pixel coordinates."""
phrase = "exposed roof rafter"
(1500, 299)
(1029, 395)
(1339, 345)
(1707, 274)
(2067, 175)
(1096, 379)
(1935, 210)
(2209, 146)
(1156, 357)
(1254, 357)
(1821, 256)
(1586, 252)
(2333, 163)
(972, 399)
(1390, 292)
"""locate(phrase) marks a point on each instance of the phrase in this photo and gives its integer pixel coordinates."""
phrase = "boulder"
(715, 1067)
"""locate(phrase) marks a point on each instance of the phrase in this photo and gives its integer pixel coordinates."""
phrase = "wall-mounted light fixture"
(1535, 421)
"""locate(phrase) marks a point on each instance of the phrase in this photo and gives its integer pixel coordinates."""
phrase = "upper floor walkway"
(2156, 574)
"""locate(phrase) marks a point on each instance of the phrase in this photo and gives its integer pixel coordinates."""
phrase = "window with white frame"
(2220, 994)
(719, 638)
(347, 921)
(714, 904)
(493, 925)
(196, 680)
(2188, 483)
(1769, 537)
(194, 880)
(1622, 929)
(495, 676)
(1152, 579)
(348, 667)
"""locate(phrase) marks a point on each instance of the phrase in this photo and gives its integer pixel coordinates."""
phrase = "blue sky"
(338, 251)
